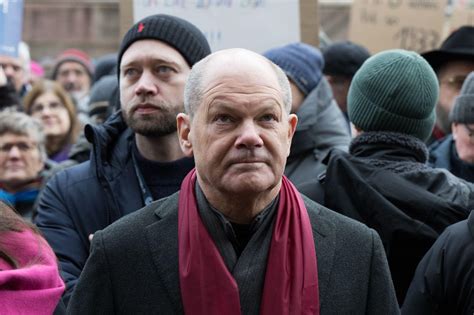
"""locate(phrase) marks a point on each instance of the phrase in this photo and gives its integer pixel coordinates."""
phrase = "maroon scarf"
(291, 280)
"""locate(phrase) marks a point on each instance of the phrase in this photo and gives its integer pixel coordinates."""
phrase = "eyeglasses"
(455, 82)
(53, 106)
(22, 147)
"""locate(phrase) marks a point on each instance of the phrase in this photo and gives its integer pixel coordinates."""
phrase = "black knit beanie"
(176, 32)
(344, 58)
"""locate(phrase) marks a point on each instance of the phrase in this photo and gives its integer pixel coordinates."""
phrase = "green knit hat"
(394, 90)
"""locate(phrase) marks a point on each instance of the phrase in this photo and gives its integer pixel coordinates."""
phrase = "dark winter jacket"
(321, 127)
(9, 98)
(385, 183)
(85, 198)
(444, 280)
(443, 155)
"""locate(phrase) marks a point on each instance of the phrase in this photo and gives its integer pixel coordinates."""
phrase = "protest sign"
(11, 20)
(463, 14)
(387, 24)
(253, 24)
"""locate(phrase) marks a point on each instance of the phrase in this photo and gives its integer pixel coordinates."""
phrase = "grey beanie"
(463, 110)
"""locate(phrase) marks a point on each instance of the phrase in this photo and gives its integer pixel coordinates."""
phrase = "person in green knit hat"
(384, 181)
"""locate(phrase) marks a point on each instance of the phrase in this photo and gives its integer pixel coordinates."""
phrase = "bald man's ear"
(184, 128)
(292, 123)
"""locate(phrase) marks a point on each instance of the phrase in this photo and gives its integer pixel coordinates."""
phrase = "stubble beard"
(157, 124)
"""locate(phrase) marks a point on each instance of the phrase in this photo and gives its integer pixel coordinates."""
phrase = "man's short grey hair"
(193, 90)
(21, 124)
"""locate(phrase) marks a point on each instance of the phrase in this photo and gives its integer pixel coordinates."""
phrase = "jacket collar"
(385, 145)
(111, 145)
(319, 122)
(440, 153)
(303, 139)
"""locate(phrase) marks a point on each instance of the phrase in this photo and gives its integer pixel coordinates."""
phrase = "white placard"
(257, 25)
(387, 24)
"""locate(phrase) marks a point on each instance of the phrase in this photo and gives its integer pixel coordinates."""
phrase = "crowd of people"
(169, 178)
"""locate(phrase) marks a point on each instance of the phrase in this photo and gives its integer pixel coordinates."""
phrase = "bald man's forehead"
(239, 64)
(239, 56)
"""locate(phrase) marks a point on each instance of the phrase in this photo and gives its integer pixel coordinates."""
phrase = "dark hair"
(10, 221)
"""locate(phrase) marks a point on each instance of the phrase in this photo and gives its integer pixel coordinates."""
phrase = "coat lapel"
(325, 242)
(162, 240)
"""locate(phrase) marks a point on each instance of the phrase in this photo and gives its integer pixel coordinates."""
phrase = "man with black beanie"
(136, 157)
(341, 62)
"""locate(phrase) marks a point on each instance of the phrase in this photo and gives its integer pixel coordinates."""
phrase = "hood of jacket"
(321, 124)
(111, 146)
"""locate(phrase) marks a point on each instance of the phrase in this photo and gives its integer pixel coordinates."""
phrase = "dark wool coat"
(133, 267)
(9, 98)
(385, 183)
(444, 280)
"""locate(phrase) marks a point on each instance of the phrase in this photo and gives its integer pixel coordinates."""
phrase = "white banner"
(257, 25)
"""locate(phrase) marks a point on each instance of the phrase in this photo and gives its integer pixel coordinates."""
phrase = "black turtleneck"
(163, 178)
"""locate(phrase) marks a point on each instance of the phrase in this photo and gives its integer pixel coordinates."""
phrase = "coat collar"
(390, 146)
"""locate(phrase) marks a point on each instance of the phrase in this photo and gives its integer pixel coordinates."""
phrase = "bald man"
(238, 238)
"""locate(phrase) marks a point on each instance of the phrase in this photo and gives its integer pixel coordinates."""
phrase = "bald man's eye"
(224, 119)
(268, 118)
